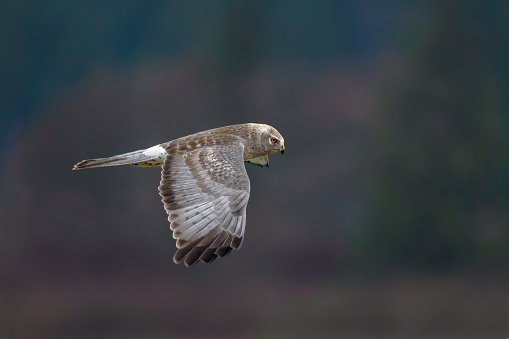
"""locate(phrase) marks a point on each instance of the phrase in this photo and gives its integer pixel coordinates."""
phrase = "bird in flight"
(204, 184)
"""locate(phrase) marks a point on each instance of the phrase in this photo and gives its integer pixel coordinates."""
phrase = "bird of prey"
(204, 184)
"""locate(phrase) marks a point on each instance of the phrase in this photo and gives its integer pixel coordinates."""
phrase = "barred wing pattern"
(205, 190)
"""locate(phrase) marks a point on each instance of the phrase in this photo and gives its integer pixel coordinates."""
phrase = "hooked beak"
(282, 150)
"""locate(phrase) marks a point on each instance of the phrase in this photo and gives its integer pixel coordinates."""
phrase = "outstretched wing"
(205, 190)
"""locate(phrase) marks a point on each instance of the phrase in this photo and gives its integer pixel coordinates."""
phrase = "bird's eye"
(273, 140)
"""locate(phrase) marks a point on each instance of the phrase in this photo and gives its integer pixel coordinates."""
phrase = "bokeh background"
(388, 216)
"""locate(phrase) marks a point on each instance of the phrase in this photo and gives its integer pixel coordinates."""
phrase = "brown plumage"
(204, 184)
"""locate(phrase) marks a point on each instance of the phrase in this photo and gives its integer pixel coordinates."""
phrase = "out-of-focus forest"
(387, 217)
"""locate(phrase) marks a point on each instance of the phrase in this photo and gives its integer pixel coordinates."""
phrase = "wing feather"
(200, 229)
(205, 191)
(190, 228)
(239, 202)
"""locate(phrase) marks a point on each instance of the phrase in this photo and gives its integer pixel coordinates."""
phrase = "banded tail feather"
(150, 157)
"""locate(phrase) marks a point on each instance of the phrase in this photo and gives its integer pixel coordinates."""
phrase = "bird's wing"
(205, 190)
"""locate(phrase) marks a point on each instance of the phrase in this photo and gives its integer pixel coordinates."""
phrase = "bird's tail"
(151, 157)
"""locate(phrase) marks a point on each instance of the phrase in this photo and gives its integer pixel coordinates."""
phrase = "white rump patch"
(260, 161)
(155, 157)
(155, 152)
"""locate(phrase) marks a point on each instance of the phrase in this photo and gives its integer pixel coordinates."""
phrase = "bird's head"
(269, 140)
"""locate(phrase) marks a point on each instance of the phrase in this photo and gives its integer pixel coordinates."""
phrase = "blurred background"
(387, 217)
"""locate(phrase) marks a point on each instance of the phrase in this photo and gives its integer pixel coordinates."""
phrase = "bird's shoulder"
(205, 139)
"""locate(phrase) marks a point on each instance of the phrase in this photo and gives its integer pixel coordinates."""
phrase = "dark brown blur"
(387, 217)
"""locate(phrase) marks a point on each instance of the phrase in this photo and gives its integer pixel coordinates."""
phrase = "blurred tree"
(439, 190)
(228, 51)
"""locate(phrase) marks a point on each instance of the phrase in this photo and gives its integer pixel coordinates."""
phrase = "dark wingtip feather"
(223, 251)
(182, 252)
(209, 255)
(214, 257)
(237, 242)
(194, 255)
(206, 249)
